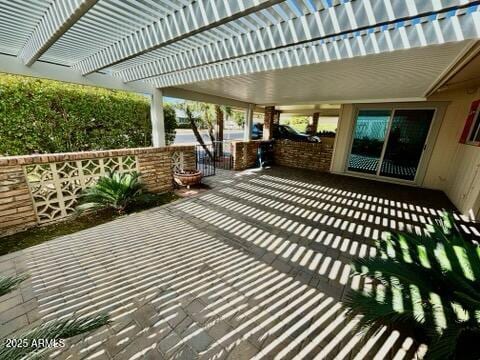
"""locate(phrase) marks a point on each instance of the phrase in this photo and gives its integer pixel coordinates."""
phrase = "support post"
(248, 126)
(268, 122)
(156, 117)
(313, 124)
(276, 117)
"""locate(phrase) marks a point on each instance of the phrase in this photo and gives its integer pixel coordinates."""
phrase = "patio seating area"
(255, 268)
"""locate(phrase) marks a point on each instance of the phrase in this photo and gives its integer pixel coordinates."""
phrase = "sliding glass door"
(389, 143)
(368, 140)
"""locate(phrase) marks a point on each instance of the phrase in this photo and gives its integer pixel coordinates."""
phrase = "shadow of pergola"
(258, 267)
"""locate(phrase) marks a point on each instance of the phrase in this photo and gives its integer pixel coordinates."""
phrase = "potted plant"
(187, 177)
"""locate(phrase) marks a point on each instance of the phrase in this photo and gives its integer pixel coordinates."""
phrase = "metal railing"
(214, 155)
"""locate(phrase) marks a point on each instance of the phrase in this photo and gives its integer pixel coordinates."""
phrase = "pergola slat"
(426, 31)
(200, 15)
(346, 17)
(59, 17)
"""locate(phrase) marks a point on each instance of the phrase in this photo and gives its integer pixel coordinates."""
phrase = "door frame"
(439, 108)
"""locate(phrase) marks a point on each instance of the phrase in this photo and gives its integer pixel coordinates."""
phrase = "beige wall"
(452, 167)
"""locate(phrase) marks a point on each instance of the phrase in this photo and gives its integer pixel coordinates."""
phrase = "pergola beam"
(60, 16)
(422, 32)
(180, 93)
(13, 65)
(308, 112)
(187, 21)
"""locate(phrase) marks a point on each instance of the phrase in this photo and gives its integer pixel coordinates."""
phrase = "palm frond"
(377, 314)
(458, 341)
(10, 283)
(116, 191)
(431, 283)
(392, 272)
(56, 329)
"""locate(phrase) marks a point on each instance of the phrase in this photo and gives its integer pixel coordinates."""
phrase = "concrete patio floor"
(255, 268)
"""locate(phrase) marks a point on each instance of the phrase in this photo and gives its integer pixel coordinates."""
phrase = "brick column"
(16, 206)
(313, 124)
(268, 122)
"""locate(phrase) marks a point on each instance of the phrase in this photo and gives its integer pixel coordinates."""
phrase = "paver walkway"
(255, 268)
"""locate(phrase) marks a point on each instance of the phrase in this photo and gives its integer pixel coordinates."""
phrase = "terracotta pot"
(187, 177)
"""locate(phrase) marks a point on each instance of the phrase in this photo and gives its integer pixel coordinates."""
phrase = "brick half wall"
(244, 154)
(67, 172)
(304, 155)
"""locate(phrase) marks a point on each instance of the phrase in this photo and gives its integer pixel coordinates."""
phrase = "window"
(471, 132)
(474, 137)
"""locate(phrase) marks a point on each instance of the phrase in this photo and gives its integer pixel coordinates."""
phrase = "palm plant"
(53, 330)
(10, 283)
(425, 285)
(116, 191)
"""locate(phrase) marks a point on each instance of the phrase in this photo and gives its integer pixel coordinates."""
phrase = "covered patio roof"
(206, 45)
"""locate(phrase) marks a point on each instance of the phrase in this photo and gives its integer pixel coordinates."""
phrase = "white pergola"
(206, 49)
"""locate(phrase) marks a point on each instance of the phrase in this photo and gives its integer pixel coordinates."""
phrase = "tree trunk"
(199, 138)
(219, 130)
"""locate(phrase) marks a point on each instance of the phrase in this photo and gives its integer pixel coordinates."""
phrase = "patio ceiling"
(166, 43)
(400, 76)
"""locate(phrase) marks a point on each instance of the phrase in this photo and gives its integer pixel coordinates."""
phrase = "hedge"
(44, 116)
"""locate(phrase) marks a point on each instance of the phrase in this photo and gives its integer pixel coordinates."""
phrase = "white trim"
(385, 142)
(13, 65)
(476, 119)
(469, 52)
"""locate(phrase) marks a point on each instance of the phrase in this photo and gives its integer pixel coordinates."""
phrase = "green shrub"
(114, 191)
(427, 286)
(47, 116)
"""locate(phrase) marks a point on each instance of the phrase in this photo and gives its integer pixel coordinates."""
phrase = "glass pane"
(475, 134)
(368, 140)
(405, 144)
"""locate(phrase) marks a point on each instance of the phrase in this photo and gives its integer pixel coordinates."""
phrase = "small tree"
(204, 116)
(238, 117)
